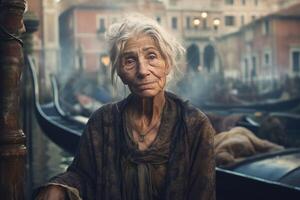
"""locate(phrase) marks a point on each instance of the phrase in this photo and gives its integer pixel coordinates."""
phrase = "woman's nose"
(143, 68)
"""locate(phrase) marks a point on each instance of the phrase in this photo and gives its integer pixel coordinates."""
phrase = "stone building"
(200, 22)
(83, 29)
(46, 39)
(196, 23)
(266, 49)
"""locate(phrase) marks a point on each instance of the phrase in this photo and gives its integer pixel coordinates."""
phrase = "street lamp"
(196, 22)
(204, 16)
(104, 70)
(216, 23)
(105, 60)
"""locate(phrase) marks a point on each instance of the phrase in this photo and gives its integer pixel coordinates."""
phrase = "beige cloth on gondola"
(237, 144)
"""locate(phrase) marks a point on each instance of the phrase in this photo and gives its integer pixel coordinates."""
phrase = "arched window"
(209, 56)
(193, 57)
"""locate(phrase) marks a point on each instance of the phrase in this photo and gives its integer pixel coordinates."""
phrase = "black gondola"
(61, 130)
(65, 131)
(268, 105)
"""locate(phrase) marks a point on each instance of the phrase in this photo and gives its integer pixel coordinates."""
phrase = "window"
(229, 2)
(188, 23)
(243, 2)
(267, 58)
(158, 19)
(174, 22)
(296, 61)
(248, 35)
(246, 75)
(253, 17)
(256, 2)
(101, 26)
(266, 27)
(229, 21)
(253, 71)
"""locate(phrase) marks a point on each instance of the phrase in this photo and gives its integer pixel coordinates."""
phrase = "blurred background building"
(71, 35)
(46, 40)
(266, 49)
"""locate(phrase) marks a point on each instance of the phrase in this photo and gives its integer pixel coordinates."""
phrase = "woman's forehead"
(140, 42)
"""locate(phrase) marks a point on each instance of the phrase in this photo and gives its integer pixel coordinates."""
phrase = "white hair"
(119, 33)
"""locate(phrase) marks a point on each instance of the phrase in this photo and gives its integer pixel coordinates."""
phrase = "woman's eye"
(152, 56)
(129, 61)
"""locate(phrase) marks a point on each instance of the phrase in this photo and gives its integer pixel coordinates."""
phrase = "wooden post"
(12, 138)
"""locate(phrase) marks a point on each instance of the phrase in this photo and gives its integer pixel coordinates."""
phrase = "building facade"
(266, 49)
(83, 28)
(46, 39)
(196, 23)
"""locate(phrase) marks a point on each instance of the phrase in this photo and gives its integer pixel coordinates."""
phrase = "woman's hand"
(51, 192)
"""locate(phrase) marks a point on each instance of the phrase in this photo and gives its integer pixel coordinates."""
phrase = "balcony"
(198, 33)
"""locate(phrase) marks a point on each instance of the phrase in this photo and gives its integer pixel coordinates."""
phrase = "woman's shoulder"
(105, 112)
(194, 112)
(194, 117)
(198, 124)
(191, 112)
(102, 110)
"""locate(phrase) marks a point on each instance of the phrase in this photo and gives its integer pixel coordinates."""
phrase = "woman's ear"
(168, 67)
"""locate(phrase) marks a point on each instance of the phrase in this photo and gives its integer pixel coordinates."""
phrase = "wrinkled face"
(142, 67)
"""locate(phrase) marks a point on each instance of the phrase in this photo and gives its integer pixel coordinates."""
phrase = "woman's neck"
(144, 112)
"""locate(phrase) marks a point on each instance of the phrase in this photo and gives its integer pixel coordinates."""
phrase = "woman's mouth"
(146, 85)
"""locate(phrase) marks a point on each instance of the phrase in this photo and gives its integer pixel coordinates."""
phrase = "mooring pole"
(12, 138)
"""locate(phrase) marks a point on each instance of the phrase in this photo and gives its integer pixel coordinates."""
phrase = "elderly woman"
(151, 145)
